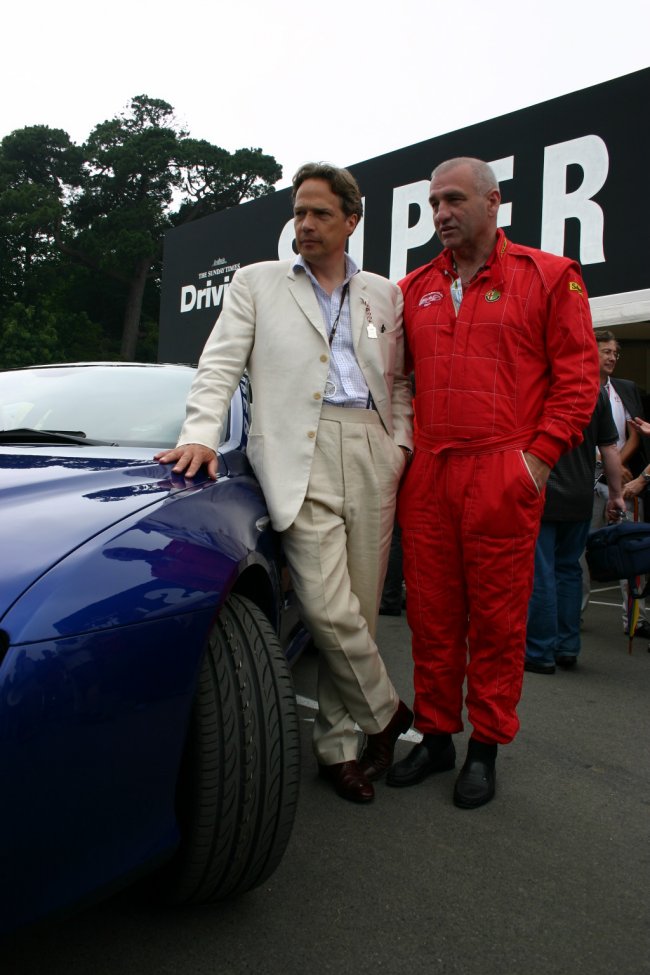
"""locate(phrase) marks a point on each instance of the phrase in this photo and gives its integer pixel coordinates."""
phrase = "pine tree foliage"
(82, 227)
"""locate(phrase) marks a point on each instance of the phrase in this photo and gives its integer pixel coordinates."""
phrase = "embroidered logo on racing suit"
(430, 298)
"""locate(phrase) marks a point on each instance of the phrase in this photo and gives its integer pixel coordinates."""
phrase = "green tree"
(39, 167)
(46, 335)
(83, 225)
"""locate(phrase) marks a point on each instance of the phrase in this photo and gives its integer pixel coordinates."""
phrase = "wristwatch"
(645, 476)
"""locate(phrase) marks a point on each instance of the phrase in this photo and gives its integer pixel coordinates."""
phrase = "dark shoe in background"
(567, 661)
(435, 753)
(533, 667)
(476, 783)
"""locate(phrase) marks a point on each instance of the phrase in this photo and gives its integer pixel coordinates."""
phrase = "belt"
(489, 445)
(348, 414)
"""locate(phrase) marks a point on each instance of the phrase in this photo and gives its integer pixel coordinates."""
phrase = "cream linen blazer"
(271, 326)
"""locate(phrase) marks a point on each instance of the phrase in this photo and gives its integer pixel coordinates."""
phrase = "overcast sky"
(341, 80)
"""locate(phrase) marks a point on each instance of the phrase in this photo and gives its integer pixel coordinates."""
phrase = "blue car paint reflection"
(113, 572)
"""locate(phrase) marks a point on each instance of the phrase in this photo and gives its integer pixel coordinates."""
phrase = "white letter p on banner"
(403, 237)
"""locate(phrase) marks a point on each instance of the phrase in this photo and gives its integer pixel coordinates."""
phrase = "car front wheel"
(238, 786)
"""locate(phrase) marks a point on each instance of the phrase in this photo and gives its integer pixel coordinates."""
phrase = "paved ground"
(551, 878)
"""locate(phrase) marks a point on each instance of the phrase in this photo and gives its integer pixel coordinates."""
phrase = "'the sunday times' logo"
(210, 291)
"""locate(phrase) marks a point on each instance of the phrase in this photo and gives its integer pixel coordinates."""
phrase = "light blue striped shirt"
(345, 383)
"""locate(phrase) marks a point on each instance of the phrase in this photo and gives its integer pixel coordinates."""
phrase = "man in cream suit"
(330, 435)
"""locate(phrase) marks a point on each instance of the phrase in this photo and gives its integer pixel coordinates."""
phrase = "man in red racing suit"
(506, 379)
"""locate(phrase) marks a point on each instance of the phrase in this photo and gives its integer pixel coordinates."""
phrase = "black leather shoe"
(533, 667)
(349, 781)
(435, 753)
(477, 780)
(377, 756)
(566, 661)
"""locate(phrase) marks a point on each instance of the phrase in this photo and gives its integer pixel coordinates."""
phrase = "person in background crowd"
(553, 631)
(330, 436)
(625, 401)
(506, 380)
(638, 485)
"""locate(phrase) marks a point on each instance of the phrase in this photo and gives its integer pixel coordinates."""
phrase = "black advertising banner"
(573, 179)
(199, 262)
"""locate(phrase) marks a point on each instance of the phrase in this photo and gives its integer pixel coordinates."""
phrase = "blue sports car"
(147, 714)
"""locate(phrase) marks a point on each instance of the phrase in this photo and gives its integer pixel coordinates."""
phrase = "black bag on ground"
(620, 552)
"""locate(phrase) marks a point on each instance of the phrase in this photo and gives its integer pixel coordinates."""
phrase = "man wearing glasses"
(625, 401)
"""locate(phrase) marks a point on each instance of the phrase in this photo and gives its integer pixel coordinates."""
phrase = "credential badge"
(371, 328)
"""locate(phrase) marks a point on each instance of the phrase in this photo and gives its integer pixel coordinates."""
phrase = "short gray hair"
(484, 179)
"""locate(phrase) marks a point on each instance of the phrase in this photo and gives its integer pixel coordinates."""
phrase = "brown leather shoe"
(377, 756)
(349, 781)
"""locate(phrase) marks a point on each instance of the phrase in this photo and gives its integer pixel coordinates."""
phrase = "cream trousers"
(337, 553)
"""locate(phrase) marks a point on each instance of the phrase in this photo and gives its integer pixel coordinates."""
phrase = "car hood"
(53, 502)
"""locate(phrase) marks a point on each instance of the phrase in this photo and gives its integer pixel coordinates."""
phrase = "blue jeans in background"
(554, 609)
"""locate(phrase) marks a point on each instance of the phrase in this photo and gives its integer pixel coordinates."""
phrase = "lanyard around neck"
(336, 320)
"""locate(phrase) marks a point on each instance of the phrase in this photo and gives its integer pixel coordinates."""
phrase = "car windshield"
(123, 404)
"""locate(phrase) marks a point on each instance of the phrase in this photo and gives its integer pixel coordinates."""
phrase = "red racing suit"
(516, 370)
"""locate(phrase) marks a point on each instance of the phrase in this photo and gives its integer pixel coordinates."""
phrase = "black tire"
(238, 787)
